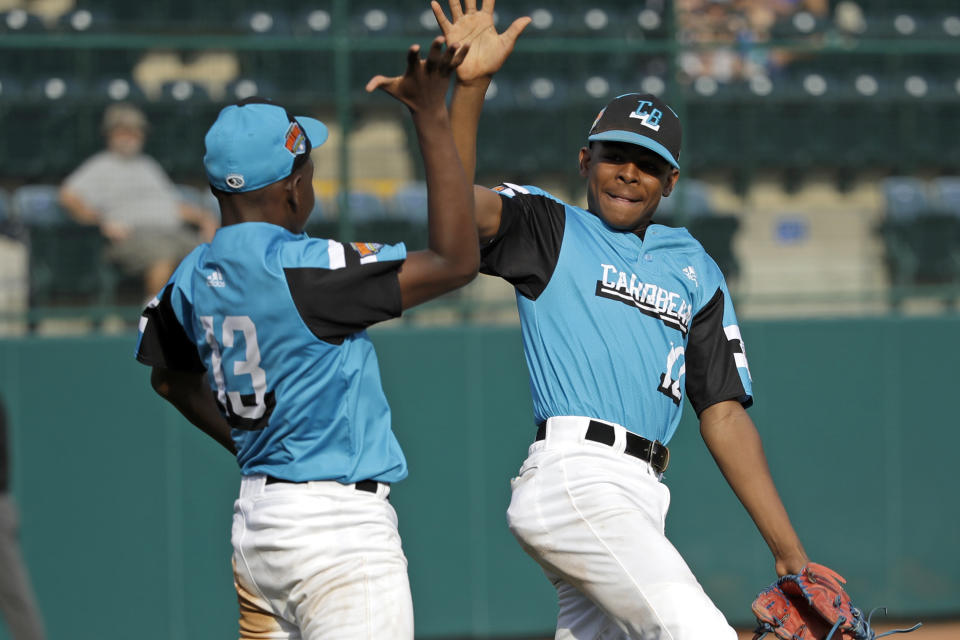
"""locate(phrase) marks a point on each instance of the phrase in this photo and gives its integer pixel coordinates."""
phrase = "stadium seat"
(116, 88)
(247, 86)
(905, 198)
(602, 19)
(11, 88)
(313, 21)
(10, 225)
(375, 18)
(365, 205)
(264, 21)
(946, 195)
(420, 21)
(38, 205)
(86, 20)
(199, 197)
(410, 202)
(716, 233)
(183, 91)
(66, 258)
(19, 20)
(926, 251)
(921, 235)
(50, 89)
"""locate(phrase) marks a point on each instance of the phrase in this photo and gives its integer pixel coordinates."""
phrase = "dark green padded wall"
(126, 508)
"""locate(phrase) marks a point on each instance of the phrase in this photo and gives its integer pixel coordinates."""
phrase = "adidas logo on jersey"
(215, 279)
(691, 274)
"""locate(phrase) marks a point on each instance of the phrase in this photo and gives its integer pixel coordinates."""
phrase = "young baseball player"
(259, 340)
(622, 320)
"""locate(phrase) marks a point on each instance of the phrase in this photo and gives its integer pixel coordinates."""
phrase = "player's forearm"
(451, 226)
(77, 208)
(735, 445)
(193, 399)
(465, 109)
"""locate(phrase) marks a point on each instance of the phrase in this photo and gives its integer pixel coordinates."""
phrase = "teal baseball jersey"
(277, 321)
(616, 327)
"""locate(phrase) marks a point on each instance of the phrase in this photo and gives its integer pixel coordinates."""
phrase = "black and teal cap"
(642, 119)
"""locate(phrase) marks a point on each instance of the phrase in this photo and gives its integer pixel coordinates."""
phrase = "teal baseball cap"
(255, 143)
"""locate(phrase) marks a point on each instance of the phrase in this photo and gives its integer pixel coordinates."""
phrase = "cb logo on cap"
(234, 180)
(648, 117)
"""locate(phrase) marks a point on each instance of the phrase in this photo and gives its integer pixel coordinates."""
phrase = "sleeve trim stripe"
(336, 255)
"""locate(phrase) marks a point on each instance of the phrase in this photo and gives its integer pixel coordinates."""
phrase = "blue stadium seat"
(199, 197)
(594, 19)
(946, 195)
(38, 205)
(50, 89)
(183, 91)
(11, 87)
(501, 95)
(375, 18)
(422, 22)
(921, 239)
(695, 199)
(410, 202)
(264, 21)
(314, 21)
(116, 88)
(905, 198)
(365, 205)
(20, 21)
(66, 263)
(10, 226)
(716, 233)
(547, 91)
(86, 20)
(248, 86)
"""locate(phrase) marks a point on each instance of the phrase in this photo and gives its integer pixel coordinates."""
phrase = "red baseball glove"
(811, 605)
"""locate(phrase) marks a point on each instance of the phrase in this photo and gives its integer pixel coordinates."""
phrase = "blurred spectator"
(17, 602)
(139, 210)
(722, 33)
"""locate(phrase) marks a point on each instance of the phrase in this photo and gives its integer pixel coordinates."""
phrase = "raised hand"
(424, 84)
(488, 49)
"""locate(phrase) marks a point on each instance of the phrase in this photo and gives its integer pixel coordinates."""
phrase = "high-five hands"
(424, 84)
(488, 49)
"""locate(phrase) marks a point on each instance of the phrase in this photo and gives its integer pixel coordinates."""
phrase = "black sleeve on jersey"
(711, 371)
(527, 245)
(335, 303)
(165, 343)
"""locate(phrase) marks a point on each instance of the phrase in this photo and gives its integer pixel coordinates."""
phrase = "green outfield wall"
(126, 508)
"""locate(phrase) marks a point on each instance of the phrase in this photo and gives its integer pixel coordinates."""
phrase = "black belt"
(363, 485)
(654, 452)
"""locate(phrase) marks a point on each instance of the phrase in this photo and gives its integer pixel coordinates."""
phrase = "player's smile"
(625, 183)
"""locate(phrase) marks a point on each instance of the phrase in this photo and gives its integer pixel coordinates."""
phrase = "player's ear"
(671, 182)
(291, 190)
(583, 161)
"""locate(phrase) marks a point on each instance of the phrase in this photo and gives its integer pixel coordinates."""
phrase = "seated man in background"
(136, 205)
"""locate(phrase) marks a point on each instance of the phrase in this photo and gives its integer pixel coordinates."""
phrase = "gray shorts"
(146, 247)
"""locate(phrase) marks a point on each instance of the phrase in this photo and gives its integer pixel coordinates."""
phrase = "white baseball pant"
(593, 518)
(319, 561)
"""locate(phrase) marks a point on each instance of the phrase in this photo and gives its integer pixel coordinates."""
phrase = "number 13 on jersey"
(243, 409)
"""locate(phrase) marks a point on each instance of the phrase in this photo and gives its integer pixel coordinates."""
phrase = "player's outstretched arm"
(190, 394)
(732, 439)
(488, 52)
(452, 257)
